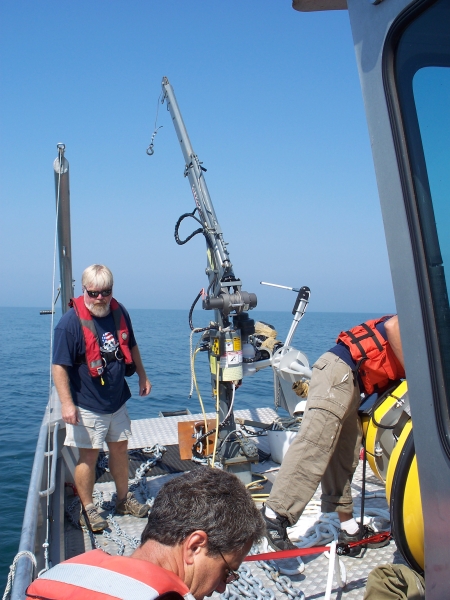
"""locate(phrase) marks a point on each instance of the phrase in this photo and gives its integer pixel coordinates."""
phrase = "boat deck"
(124, 533)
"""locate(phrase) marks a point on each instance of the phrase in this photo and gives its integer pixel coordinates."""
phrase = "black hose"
(177, 226)
(192, 310)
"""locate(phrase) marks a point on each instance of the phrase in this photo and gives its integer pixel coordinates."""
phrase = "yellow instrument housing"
(383, 426)
(403, 495)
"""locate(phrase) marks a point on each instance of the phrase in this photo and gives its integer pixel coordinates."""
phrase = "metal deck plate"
(312, 581)
(164, 430)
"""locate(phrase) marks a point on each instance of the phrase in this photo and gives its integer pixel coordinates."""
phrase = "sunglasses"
(103, 293)
(232, 575)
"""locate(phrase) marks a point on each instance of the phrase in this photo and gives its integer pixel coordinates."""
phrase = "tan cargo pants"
(326, 449)
(394, 582)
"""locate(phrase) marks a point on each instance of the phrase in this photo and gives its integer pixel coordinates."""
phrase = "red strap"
(378, 537)
(287, 553)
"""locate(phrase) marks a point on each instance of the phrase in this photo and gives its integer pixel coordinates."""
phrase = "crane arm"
(226, 296)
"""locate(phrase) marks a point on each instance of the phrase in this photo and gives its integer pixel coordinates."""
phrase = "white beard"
(98, 310)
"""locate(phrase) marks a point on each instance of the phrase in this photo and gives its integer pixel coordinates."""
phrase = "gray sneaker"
(131, 506)
(276, 532)
(96, 521)
(367, 531)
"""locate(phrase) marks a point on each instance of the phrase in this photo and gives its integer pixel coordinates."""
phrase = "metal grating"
(164, 430)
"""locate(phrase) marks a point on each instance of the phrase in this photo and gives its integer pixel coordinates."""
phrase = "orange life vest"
(96, 575)
(375, 360)
(94, 359)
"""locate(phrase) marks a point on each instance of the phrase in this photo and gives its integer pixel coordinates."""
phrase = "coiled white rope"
(326, 527)
(12, 571)
(325, 530)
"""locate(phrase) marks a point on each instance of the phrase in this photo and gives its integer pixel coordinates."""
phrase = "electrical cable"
(216, 437)
(212, 284)
(222, 442)
(194, 233)
(231, 404)
(196, 329)
(192, 309)
(199, 397)
(253, 484)
(201, 229)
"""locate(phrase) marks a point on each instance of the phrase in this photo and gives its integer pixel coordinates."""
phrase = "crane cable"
(150, 149)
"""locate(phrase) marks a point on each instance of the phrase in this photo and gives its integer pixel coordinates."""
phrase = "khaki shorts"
(95, 428)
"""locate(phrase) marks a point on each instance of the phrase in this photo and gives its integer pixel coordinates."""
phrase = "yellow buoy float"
(383, 420)
(390, 452)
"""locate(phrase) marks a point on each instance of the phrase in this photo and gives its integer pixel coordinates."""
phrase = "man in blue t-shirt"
(92, 388)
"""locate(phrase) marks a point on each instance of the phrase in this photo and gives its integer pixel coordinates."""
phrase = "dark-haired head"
(210, 500)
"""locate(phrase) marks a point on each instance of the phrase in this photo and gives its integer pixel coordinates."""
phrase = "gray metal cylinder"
(62, 192)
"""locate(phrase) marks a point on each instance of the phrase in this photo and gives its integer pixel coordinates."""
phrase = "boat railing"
(53, 454)
(33, 518)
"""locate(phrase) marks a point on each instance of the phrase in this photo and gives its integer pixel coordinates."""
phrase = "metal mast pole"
(62, 192)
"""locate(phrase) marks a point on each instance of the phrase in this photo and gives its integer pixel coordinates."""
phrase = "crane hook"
(150, 150)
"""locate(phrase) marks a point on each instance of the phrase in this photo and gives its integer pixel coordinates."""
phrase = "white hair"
(97, 276)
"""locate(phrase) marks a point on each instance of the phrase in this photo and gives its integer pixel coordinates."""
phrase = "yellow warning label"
(237, 344)
(215, 347)
(213, 364)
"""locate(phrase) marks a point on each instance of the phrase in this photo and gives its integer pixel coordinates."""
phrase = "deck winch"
(226, 303)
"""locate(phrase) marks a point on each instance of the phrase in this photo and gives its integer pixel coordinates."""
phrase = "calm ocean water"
(163, 338)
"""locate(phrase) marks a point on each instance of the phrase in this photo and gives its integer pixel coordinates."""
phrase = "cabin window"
(431, 89)
(421, 71)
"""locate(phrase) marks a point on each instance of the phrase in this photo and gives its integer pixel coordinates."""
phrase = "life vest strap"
(356, 340)
(107, 357)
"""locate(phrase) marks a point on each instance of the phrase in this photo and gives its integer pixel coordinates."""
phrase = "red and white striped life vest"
(96, 575)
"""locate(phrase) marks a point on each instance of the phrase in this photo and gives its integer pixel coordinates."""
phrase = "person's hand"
(69, 413)
(145, 387)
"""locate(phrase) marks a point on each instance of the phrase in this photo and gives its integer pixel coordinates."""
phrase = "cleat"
(131, 506)
(96, 521)
(276, 532)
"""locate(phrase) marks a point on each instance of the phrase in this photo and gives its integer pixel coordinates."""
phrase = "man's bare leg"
(85, 474)
(118, 466)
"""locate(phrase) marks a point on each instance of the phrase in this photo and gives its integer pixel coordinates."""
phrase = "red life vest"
(93, 355)
(373, 355)
(96, 575)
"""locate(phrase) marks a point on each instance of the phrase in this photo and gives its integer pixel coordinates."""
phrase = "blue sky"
(271, 100)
